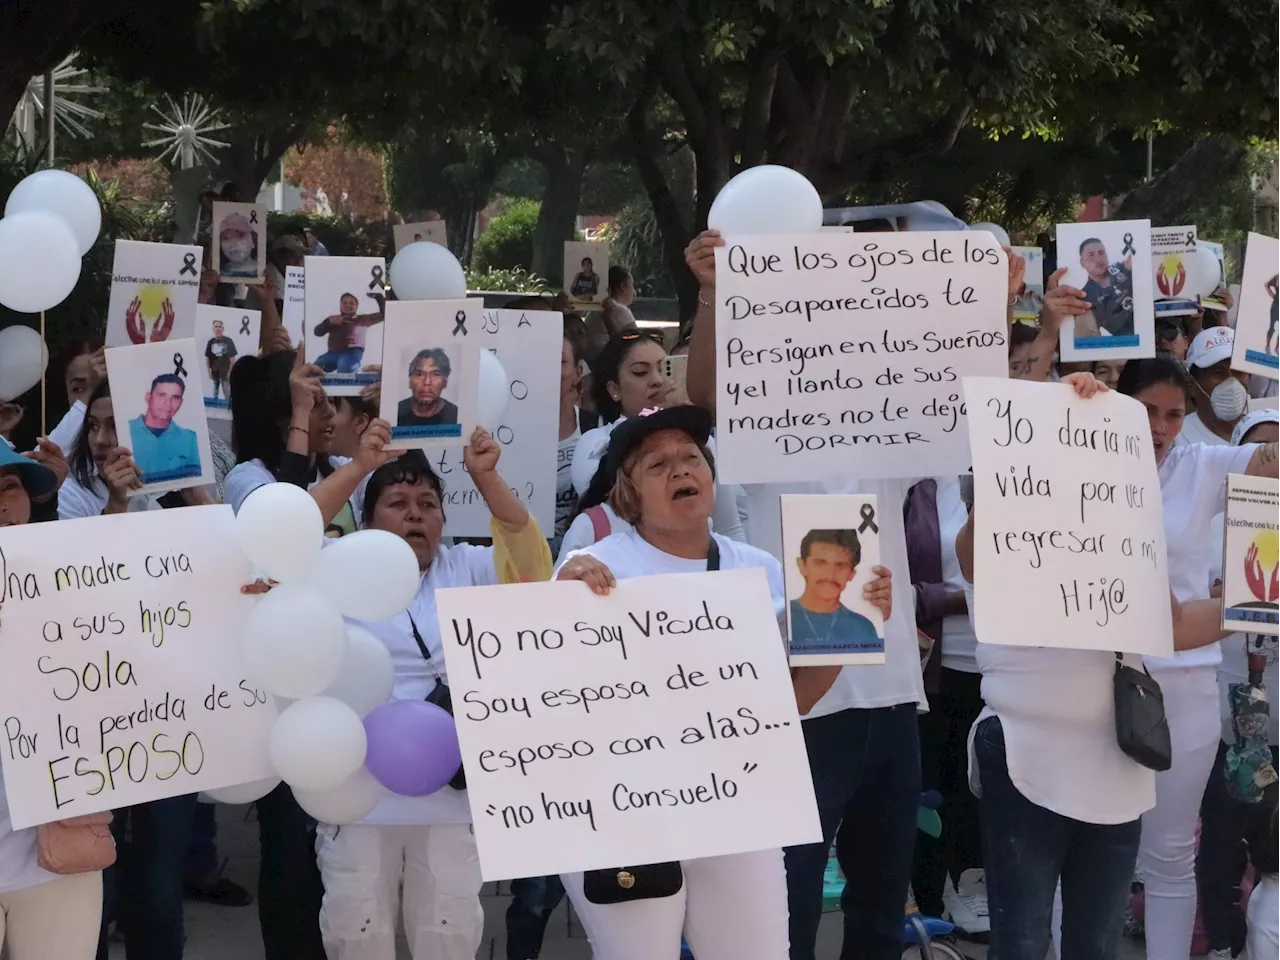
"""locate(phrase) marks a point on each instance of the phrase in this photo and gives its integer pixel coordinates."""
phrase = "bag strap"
(600, 525)
(713, 555)
(426, 654)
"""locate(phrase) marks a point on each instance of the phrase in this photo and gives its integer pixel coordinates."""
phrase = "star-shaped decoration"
(186, 130)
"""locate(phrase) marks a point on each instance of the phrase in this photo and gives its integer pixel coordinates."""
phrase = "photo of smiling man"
(834, 545)
(426, 406)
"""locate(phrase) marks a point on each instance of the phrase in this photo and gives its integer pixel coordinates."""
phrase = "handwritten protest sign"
(655, 724)
(120, 668)
(528, 346)
(842, 354)
(1251, 556)
(1069, 546)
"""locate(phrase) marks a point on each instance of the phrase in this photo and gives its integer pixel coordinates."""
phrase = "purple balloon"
(413, 747)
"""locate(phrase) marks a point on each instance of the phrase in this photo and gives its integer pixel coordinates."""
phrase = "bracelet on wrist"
(292, 427)
(703, 302)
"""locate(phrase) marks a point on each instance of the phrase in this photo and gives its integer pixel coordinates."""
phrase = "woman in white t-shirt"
(43, 916)
(423, 845)
(731, 906)
(566, 495)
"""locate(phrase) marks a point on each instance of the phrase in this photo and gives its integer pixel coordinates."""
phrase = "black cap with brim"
(628, 435)
(36, 477)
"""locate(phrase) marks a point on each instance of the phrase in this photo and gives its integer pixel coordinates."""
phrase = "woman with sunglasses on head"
(42, 915)
(731, 907)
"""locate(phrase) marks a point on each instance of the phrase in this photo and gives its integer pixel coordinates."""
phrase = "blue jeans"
(202, 851)
(533, 899)
(341, 361)
(146, 883)
(866, 778)
(1028, 849)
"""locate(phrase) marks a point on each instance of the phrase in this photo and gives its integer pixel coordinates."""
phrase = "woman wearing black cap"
(731, 906)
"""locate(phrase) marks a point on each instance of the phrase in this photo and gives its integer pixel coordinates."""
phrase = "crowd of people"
(1048, 829)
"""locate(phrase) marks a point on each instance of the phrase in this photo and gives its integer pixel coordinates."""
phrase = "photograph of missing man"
(1109, 263)
(346, 331)
(586, 264)
(238, 233)
(426, 405)
(162, 449)
(223, 336)
(832, 543)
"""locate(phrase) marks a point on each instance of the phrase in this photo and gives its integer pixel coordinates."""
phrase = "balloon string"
(44, 426)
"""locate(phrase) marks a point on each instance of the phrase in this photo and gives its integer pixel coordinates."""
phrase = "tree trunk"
(558, 216)
(1165, 199)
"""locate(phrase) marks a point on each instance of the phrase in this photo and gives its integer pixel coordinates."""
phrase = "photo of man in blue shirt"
(163, 450)
(828, 562)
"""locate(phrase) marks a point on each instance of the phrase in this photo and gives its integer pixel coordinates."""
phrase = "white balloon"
(244, 792)
(766, 199)
(317, 743)
(294, 641)
(495, 391)
(367, 675)
(64, 195)
(1206, 272)
(370, 574)
(280, 530)
(23, 357)
(39, 261)
(350, 801)
(427, 271)
(997, 231)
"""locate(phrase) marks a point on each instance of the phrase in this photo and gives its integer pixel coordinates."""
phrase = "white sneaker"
(1219, 955)
(966, 906)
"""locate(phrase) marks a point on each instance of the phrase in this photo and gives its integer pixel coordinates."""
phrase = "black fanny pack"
(651, 880)
(1142, 730)
(441, 697)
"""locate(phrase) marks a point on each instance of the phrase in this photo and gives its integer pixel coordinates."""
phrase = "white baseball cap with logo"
(1211, 345)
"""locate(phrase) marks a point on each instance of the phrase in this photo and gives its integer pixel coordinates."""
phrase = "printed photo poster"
(1101, 259)
(1068, 520)
(295, 287)
(1173, 265)
(344, 305)
(431, 372)
(586, 271)
(157, 393)
(528, 345)
(830, 544)
(842, 355)
(1257, 344)
(239, 235)
(223, 336)
(430, 231)
(672, 704)
(154, 290)
(1030, 299)
(1251, 556)
(121, 672)
(1220, 253)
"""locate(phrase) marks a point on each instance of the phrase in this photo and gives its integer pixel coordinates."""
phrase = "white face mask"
(1229, 400)
(235, 249)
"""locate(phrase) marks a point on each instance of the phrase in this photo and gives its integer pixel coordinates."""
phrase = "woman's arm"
(811, 684)
(480, 457)
(332, 493)
(1263, 461)
(964, 548)
(700, 256)
(1196, 623)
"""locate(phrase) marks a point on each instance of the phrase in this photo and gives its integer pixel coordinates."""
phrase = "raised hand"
(879, 592)
(373, 453)
(133, 323)
(700, 257)
(481, 454)
(590, 571)
(50, 455)
(121, 475)
(1061, 302)
(1085, 384)
(164, 326)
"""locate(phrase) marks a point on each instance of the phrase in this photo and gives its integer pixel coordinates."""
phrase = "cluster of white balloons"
(51, 220)
(298, 648)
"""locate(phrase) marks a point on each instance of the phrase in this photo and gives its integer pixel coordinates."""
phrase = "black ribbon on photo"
(188, 264)
(460, 323)
(178, 369)
(1128, 245)
(253, 216)
(1191, 238)
(244, 326)
(376, 274)
(868, 519)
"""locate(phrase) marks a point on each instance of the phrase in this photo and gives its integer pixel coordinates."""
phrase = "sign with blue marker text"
(1069, 546)
(657, 723)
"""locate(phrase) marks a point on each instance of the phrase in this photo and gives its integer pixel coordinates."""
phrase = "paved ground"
(218, 933)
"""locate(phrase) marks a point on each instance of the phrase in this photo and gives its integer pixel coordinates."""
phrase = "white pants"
(61, 918)
(364, 870)
(1167, 853)
(730, 908)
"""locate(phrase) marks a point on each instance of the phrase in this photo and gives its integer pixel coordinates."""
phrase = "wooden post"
(44, 368)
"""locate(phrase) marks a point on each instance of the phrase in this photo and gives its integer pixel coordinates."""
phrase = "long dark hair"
(260, 407)
(608, 365)
(80, 460)
(1137, 375)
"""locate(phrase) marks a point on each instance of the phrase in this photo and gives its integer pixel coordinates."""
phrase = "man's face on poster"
(1094, 259)
(218, 328)
(827, 570)
(427, 382)
(163, 402)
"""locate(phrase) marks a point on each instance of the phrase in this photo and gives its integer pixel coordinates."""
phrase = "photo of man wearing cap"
(237, 248)
(1221, 394)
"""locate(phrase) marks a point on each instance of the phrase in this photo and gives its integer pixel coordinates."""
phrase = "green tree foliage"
(508, 243)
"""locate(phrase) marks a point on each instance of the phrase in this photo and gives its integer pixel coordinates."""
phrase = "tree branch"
(763, 75)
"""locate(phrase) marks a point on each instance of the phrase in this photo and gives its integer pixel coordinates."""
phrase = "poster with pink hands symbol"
(1251, 556)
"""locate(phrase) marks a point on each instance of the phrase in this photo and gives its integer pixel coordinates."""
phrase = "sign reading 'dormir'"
(655, 724)
(527, 345)
(843, 353)
(121, 676)
(1251, 556)
(1069, 547)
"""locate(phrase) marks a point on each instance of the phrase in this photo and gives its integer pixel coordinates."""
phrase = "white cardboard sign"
(1257, 344)
(655, 724)
(154, 289)
(1251, 556)
(1173, 260)
(527, 344)
(223, 336)
(294, 314)
(842, 354)
(1069, 547)
(120, 667)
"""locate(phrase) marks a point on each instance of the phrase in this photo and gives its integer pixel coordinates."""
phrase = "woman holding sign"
(732, 906)
(422, 844)
(42, 915)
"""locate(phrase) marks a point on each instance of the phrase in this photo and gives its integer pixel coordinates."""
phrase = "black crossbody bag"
(651, 880)
(1142, 730)
(441, 697)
